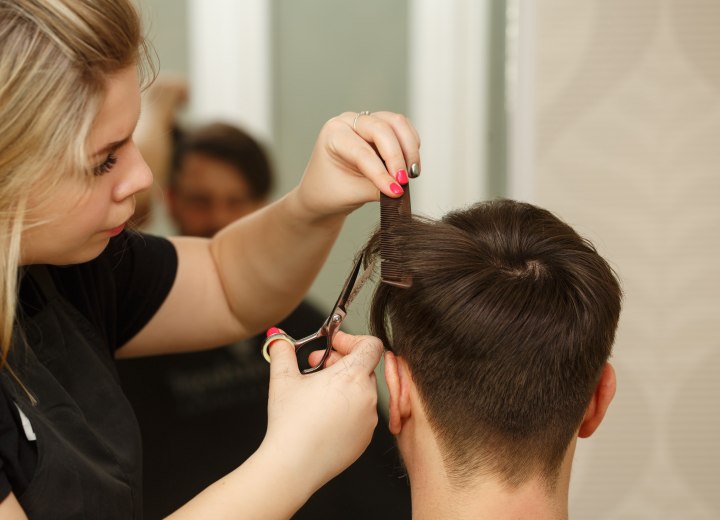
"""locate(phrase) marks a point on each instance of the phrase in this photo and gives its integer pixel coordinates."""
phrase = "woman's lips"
(116, 230)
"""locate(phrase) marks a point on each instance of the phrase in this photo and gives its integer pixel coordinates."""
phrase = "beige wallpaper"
(627, 149)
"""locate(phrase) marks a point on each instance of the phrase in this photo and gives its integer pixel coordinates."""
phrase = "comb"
(392, 211)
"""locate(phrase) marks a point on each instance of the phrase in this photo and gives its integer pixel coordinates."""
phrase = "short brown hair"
(506, 330)
(231, 145)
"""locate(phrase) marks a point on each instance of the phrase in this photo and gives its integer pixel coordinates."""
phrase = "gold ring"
(272, 338)
(362, 113)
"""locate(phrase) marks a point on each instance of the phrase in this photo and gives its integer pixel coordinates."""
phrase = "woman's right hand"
(321, 423)
(318, 424)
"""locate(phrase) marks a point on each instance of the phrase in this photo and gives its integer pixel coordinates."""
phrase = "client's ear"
(603, 395)
(397, 379)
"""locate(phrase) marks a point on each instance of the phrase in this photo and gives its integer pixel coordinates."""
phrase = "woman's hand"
(356, 157)
(321, 423)
(318, 424)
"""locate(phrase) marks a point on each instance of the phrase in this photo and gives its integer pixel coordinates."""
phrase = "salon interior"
(606, 112)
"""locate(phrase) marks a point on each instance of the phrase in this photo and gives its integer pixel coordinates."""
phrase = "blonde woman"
(77, 288)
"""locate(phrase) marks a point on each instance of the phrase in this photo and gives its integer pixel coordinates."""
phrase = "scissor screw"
(336, 318)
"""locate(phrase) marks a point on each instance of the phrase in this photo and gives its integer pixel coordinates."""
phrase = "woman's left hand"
(357, 156)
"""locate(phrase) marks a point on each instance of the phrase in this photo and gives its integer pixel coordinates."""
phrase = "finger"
(403, 132)
(316, 356)
(351, 148)
(364, 354)
(387, 141)
(333, 358)
(343, 342)
(406, 135)
(283, 360)
(399, 121)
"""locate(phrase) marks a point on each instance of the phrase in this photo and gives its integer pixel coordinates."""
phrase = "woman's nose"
(137, 176)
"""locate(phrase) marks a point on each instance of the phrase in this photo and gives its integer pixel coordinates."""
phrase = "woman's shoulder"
(129, 255)
(121, 289)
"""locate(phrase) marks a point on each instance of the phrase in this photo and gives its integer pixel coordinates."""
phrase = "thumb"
(283, 360)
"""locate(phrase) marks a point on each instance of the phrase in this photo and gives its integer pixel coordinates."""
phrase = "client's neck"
(434, 496)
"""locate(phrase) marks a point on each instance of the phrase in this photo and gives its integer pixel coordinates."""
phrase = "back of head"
(506, 329)
(55, 57)
(232, 146)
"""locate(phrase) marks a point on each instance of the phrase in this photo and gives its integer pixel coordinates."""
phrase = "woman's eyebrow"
(112, 146)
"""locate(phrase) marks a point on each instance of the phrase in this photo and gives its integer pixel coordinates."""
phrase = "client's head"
(505, 334)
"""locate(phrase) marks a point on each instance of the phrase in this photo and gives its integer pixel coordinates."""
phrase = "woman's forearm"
(268, 260)
(264, 487)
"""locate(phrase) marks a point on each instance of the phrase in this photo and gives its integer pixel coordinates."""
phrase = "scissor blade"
(359, 283)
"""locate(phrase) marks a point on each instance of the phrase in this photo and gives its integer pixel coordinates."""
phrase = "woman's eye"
(106, 165)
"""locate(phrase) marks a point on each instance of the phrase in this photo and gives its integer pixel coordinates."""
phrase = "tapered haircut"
(506, 330)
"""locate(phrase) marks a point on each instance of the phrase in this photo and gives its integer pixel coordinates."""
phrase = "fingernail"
(396, 189)
(414, 170)
(401, 176)
(273, 330)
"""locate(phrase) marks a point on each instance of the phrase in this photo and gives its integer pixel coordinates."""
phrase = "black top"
(107, 300)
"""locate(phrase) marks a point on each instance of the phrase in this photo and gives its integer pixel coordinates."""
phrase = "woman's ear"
(599, 403)
(397, 380)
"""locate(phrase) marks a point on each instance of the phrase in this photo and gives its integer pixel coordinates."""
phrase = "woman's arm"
(10, 508)
(255, 271)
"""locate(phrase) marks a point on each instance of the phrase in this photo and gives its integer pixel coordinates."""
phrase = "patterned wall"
(627, 149)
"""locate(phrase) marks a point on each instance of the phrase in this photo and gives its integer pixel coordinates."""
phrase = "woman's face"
(85, 213)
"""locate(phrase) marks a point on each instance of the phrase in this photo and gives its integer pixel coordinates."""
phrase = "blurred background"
(606, 112)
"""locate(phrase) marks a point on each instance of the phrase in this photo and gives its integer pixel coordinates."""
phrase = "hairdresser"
(77, 289)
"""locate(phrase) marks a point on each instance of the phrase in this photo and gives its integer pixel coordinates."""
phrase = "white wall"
(616, 129)
(448, 92)
(230, 63)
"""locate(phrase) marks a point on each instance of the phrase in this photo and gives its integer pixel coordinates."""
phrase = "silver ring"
(363, 113)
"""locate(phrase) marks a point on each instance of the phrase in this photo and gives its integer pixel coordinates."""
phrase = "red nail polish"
(273, 330)
(396, 189)
(402, 177)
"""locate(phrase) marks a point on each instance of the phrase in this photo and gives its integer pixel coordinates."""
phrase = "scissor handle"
(323, 332)
(328, 330)
(331, 324)
(300, 343)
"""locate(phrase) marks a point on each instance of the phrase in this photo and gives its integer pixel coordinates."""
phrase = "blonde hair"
(55, 58)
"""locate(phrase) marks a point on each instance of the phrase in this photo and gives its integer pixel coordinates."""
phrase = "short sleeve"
(143, 268)
(121, 290)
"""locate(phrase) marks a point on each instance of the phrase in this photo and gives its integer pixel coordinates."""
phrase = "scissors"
(331, 325)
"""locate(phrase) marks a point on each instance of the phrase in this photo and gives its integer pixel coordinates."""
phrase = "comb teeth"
(393, 211)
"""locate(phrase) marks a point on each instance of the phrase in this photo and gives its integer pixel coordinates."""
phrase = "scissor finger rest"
(270, 339)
